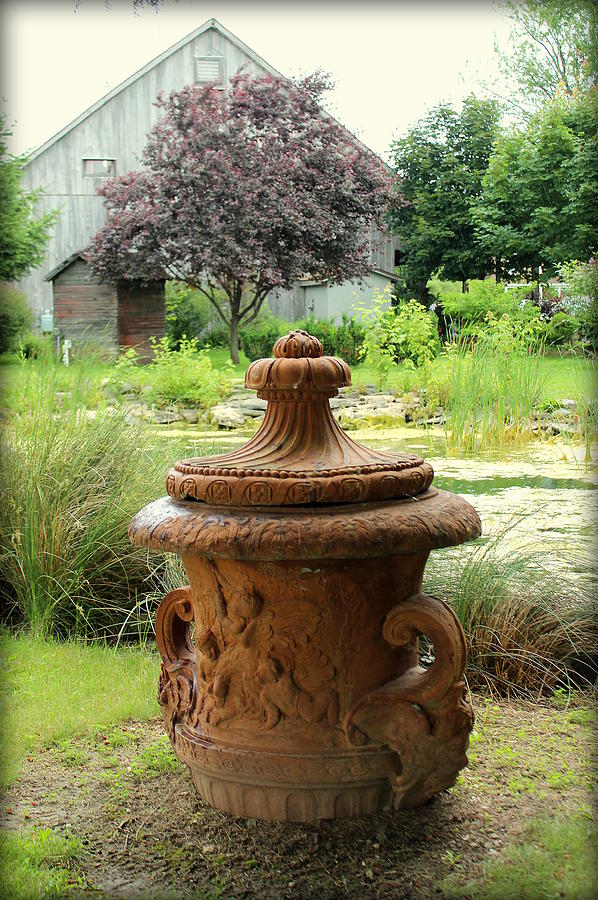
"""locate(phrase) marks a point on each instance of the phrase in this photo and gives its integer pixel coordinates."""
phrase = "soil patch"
(147, 833)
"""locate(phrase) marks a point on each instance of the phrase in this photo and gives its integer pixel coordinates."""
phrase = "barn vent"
(209, 68)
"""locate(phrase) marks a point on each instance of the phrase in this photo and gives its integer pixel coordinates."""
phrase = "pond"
(544, 493)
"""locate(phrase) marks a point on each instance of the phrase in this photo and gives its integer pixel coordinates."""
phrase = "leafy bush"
(185, 375)
(562, 328)
(581, 279)
(15, 318)
(408, 333)
(416, 331)
(187, 312)
(482, 297)
(257, 338)
(33, 346)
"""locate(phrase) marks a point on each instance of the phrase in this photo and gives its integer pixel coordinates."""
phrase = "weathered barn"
(108, 139)
(127, 314)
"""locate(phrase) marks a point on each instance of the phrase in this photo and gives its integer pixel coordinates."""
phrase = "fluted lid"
(299, 455)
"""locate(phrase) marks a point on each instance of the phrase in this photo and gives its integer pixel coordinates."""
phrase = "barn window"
(99, 168)
(210, 68)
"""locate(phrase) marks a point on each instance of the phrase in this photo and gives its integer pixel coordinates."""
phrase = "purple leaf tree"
(241, 192)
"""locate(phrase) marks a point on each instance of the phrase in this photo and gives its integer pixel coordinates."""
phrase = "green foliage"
(548, 52)
(581, 280)
(185, 375)
(70, 484)
(416, 332)
(481, 298)
(187, 312)
(23, 237)
(441, 163)
(344, 340)
(408, 333)
(539, 200)
(257, 339)
(34, 346)
(562, 328)
(497, 382)
(38, 863)
(15, 318)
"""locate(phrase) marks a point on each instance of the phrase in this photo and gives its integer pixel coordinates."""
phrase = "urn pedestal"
(290, 681)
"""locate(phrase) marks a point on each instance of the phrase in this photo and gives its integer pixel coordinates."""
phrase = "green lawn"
(52, 691)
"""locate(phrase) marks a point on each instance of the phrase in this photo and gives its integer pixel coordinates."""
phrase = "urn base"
(287, 787)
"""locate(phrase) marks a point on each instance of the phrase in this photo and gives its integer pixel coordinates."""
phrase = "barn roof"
(53, 273)
(211, 23)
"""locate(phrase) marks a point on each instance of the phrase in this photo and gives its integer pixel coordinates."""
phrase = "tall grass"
(492, 398)
(70, 486)
(527, 629)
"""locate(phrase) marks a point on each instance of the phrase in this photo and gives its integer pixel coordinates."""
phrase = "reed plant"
(528, 630)
(70, 485)
(496, 383)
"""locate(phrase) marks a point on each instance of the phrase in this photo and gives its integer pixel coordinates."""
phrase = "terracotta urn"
(290, 682)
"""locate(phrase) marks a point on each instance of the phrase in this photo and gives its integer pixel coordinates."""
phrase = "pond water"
(544, 493)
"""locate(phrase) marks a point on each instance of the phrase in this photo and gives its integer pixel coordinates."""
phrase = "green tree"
(539, 202)
(550, 51)
(23, 237)
(441, 163)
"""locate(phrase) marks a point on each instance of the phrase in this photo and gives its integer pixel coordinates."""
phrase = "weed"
(154, 760)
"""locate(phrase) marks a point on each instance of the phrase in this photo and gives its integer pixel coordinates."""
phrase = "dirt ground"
(147, 834)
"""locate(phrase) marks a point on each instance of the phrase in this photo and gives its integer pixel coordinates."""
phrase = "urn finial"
(297, 344)
(300, 454)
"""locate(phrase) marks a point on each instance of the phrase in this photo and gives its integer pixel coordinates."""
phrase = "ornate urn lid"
(299, 455)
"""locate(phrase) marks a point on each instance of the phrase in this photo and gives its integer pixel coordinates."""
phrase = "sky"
(391, 61)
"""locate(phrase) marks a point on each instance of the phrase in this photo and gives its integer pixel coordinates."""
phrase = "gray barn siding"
(118, 128)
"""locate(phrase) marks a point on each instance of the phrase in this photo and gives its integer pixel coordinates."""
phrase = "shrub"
(187, 312)
(416, 331)
(562, 328)
(15, 318)
(258, 338)
(185, 375)
(482, 297)
(33, 346)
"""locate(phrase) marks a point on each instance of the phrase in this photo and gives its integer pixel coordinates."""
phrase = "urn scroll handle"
(173, 621)
(424, 615)
(423, 715)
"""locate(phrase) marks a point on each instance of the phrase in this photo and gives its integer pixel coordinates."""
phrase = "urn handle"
(423, 715)
(424, 615)
(173, 621)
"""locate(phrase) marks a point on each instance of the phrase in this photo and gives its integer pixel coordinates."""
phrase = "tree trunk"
(234, 338)
(464, 285)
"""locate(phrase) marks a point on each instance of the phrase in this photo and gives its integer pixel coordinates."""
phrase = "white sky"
(391, 60)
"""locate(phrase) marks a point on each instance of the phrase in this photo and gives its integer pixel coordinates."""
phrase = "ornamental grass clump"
(497, 382)
(528, 630)
(70, 485)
